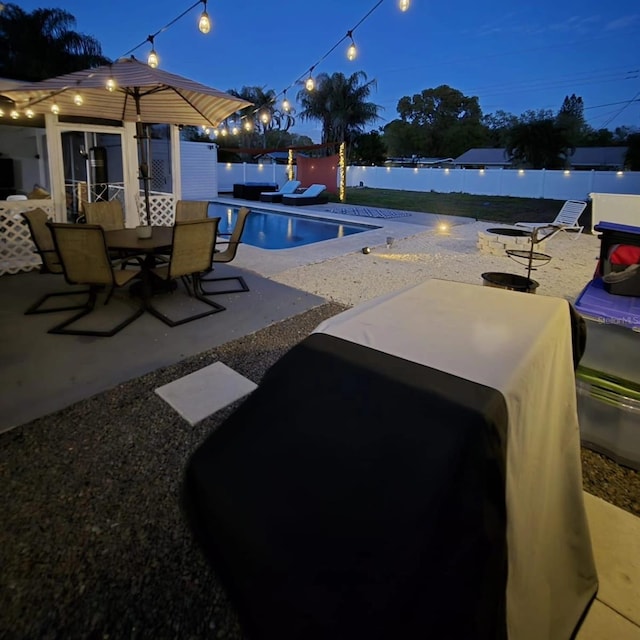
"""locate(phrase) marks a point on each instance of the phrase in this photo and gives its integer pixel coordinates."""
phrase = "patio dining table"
(127, 241)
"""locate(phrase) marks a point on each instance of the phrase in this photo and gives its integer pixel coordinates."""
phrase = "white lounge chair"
(567, 218)
(287, 188)
(311, 195)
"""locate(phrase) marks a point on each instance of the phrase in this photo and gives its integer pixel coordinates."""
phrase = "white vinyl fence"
(529, 183)
(555, 185)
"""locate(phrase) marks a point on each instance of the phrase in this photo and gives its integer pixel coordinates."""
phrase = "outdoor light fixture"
(78, 100)
(265, 117)
(403, 4)
(152, 60)
(55, 109)
(248, 125)
(285, 103)
(234, 131)
(29, 113)
(111, 85)
(14, 114)
(310, 84)
(204, 24)
(351, 51)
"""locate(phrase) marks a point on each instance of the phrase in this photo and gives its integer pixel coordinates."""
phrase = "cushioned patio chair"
(192, 253)
(85, 260)
(191, 210)
(567, 218)
(108, 214)
(311, 195)
(228, 255)
(276, 196)
(36, 220)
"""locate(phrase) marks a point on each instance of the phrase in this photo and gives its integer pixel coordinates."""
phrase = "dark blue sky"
(512, 56)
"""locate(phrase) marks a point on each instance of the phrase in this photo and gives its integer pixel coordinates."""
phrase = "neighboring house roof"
(487, 157)
(611, 157)
(583, 157)
(418, 160)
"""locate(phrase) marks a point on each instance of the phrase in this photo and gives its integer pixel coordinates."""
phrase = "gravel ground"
(93, 543)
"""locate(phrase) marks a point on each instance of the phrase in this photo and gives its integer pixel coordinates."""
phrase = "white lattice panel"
(161, 207)
(17, 251)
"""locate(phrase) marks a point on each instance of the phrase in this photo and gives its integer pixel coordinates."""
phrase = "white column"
(56, 167)
(176, 164)
(130, 170)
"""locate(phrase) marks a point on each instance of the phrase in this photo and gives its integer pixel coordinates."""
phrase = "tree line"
(438, 122)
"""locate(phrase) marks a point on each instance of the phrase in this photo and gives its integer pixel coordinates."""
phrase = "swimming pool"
(280, 230)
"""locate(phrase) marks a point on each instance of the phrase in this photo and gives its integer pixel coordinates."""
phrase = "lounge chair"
(567, 218)
(311, 195)
(276, 196)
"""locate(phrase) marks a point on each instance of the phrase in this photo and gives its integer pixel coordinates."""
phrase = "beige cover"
(521, 345)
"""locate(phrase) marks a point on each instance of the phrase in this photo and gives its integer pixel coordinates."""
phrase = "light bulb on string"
(14, 114)
(204, 23)
(265, 116)
(55, 109)
(234, 131)
(403, 4)
(78, 100)
(1, 113)
(153, 59)
(29, 113)
(248, 125)
(111, 85)
(310, 84)
(352, 52)
(286, 107)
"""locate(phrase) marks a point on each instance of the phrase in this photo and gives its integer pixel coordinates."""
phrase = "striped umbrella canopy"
(128, 90)
(131, 91)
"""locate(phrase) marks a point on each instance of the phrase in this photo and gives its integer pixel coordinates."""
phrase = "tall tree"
(539, 144)
(340, 104)
(498, 126)
(571, 120)
(43, 44)
(449, 121)
(368, 148)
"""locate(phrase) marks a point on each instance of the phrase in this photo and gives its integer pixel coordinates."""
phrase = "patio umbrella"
(132, 91)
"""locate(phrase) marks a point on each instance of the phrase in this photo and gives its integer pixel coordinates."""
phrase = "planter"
(509, 281)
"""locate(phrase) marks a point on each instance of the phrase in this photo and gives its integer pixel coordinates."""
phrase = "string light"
(29, 113)
(310, 84)
(152, 60)
(55, 109)
(78, 100)
(286, 107)
(352, 52)
(14, 114)
(403, 4)
(204, 24)
(111, 85)
(1, 113)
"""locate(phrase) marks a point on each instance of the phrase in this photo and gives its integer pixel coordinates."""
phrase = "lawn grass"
(506, 210)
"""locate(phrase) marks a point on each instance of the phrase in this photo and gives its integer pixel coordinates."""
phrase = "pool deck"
(269, 262)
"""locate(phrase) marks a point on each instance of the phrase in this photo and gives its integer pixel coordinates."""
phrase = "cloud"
(623, 23)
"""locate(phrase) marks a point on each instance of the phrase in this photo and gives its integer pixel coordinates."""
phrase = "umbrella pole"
(144, 169)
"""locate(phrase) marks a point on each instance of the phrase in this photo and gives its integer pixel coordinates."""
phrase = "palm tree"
(539, 144)
(264, 115)
(339, 103)
(42, 44)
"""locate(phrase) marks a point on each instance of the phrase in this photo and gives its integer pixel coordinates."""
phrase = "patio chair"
(85, 260)
(228, 255)
(107, 213)
(191, 210)
(36, 220)
(192, 253)
(311, 195)
(566, 219)
(276, 196)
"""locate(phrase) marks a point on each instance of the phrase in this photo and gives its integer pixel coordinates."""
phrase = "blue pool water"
(279, 230)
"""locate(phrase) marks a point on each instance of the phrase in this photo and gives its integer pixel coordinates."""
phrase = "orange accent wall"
(318, 171)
